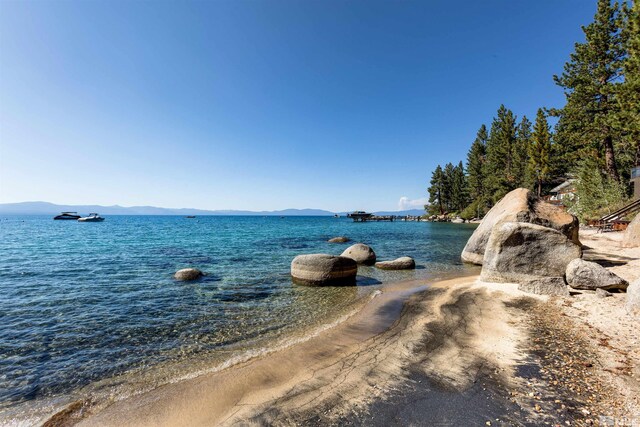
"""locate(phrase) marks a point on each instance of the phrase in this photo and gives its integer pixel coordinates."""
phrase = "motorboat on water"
(67, 215)
(93, 217)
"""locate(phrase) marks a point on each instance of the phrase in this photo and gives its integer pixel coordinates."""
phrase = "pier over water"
(361, 216)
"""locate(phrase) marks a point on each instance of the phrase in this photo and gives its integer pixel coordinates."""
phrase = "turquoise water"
(85, 303)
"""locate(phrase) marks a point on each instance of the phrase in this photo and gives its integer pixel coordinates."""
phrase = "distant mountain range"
(45, 208)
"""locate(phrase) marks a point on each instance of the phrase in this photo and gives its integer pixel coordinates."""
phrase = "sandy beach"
(455, 352)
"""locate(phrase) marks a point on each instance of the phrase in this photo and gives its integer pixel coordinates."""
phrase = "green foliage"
(629, 91)
(436, 191)
(476, 209)
(448, 190)
(447, 195)
(590, 79)
(540, 151)
(459, 191)
(521, 155)
(475, 165)
(597, 194)
(499, 166)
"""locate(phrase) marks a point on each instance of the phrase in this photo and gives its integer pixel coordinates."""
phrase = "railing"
(626, 210)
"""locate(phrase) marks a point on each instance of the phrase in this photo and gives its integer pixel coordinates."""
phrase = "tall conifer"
(629, 94)
(459, 192)
(540, 151)
(499, 167)
(521, 154)
(436, 191)
(587, 121)
(447, 195)
(475, 162)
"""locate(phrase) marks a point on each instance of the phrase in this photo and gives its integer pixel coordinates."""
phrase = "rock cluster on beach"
(527, 241)
(518, 251)
(520, 205)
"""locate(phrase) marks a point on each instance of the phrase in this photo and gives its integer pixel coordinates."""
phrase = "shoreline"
(426, 353)
(372, 318)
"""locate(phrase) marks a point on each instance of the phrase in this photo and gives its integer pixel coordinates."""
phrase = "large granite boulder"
(520, 205)
(631, 238)
(590, 276)
(633, 299)
(402, 263)
(187, 274)
(323, 270)
(360, 253)
(519, 251)
(555, 286)
(339, 239)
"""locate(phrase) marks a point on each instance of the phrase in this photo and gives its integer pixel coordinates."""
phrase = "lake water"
(93, 309)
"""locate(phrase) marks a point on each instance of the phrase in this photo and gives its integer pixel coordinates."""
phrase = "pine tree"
(629, 94)
(521, 154)
(499, 172)
(475, 162)
(587, 121)
(460, 195)
(596, 194)
(436, 190)
(540, 151)
(447, 195)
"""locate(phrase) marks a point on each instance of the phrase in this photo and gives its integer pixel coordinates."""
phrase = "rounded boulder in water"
(402, 263)
(187, 274)
(360, 253)
(323, 270)
(339, 239)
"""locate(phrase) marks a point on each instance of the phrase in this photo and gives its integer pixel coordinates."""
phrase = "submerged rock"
(323, 270)
(590, 276)
(339, 239)
(187, 274)
(360, 253)
(545, 286)
(402, 263)
(520, 205)
(633, 299)
(519, 251)
(631, 238)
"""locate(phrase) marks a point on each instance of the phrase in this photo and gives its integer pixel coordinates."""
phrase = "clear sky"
(267, 104)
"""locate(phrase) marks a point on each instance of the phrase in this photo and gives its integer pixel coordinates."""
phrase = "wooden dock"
(361, 216)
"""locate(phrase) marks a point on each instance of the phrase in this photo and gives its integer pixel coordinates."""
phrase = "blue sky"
(268, 104)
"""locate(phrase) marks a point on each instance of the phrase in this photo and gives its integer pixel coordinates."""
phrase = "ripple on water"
(93, 307)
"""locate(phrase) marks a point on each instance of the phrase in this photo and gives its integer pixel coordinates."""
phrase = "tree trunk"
(610, 159)
(539, 187)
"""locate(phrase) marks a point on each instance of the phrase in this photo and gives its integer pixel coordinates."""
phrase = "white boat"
(93, 217)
